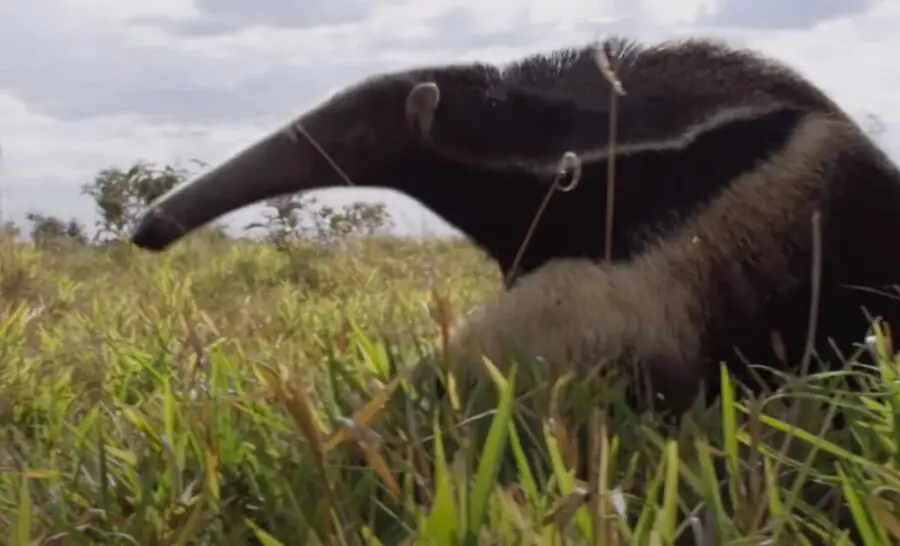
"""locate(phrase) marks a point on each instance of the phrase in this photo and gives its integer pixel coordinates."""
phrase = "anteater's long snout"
(358, 129)
(275, 165)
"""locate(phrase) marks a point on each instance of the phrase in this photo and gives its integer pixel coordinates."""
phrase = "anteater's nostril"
(154, 232)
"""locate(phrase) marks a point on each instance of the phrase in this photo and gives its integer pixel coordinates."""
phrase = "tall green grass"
(226, 393)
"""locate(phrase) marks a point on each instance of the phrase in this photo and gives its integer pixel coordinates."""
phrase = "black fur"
(654, 191)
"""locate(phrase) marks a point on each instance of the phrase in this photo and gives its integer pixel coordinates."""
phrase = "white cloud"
(91, 83)
(767, 14)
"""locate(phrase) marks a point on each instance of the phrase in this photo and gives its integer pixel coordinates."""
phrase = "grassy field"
(227, 393)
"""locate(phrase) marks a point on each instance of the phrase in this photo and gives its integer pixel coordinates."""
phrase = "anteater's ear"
(421, 105)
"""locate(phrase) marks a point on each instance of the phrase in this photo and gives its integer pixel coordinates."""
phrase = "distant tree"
(9, 231)
(47, 229)
(291, 217)
(355, 219)
(282, 220)
(121, 195)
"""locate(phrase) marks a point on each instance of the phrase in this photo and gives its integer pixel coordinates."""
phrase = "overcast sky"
(86, 84)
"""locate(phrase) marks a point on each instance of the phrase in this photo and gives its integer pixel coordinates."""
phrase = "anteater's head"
(469, 142)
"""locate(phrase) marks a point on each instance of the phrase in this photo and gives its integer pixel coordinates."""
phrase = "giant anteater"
(722, 158)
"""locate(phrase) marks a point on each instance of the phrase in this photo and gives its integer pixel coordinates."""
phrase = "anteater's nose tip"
(154, 232)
